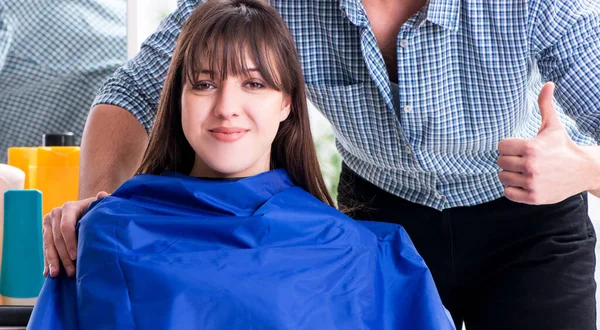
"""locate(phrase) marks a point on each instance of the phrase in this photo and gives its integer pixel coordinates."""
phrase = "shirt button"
(438, 196)
(408, 108)
(403, 43)
(408, 151)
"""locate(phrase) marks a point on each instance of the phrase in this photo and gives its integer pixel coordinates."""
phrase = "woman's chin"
(230, 164)
(236, 171)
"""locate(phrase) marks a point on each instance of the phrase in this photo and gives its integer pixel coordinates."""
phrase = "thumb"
(101, 194)
(549, 116)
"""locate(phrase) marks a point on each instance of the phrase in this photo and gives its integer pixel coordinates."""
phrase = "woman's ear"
(285, 107)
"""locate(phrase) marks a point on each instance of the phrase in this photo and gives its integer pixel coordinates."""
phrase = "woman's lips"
(228, 134)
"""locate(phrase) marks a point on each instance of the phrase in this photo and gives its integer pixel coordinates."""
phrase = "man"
(54, 56)
(433, 105)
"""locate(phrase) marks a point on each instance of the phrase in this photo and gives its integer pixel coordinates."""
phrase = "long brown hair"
(222, 32)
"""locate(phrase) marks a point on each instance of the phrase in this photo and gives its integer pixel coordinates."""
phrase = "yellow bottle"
(57, 175)
(25, 159)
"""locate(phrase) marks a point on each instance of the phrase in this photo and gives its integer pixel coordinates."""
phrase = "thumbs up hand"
(549, 167)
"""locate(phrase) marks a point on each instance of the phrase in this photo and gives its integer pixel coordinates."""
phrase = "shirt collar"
(444, 13)
(355, 12)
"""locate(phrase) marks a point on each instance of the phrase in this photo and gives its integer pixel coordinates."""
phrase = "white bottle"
(10, 178)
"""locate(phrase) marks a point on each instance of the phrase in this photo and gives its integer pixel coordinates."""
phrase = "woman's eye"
(202, 86)
(255, 85)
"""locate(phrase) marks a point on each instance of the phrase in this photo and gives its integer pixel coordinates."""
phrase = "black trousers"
(499, 265)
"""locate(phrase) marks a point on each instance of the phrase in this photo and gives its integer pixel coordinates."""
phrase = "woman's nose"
(228, 101)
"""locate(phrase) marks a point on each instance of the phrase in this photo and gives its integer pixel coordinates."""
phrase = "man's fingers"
(45, 273)
(59, 242)
(70, 215)
(546, 96)
(44, 235)
(549, 116)
(518, 195)
(515, 179)
(50, 254)
(519, 187)
(101, 194)
(512, 147)
(512, 164)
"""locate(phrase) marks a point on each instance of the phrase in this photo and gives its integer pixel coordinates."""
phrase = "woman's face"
(231, 124)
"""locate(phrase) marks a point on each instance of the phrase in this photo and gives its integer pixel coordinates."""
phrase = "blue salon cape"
(177, 252)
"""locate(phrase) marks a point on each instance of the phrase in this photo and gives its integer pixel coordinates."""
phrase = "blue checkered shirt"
(54, 57)
(469, 72)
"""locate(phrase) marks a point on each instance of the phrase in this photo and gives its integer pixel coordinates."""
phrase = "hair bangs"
(223, 49)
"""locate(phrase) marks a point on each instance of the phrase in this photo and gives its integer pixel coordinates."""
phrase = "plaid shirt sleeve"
(565, 39)
(137, 85)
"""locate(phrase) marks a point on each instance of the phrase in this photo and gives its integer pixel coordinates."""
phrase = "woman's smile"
(228, 134)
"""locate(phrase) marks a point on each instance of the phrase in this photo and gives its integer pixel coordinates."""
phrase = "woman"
(228, 224)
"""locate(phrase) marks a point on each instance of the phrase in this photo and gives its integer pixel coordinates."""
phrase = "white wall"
(143, 17)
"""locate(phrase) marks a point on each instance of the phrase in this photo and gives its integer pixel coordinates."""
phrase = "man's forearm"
(112, 147)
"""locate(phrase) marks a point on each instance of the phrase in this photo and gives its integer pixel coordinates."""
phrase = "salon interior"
(43, 144)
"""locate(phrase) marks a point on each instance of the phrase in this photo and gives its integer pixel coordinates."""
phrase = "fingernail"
(73, 254)
(52, 271)
(70, 270)
(45, 271)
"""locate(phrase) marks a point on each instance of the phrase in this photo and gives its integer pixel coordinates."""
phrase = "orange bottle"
(25, 159)
(57, 171)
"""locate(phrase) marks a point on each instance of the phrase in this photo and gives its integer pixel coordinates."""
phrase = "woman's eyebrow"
(211, 71)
